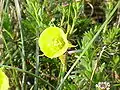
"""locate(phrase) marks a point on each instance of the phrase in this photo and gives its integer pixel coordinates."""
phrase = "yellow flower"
(4, 82)
(53, 42)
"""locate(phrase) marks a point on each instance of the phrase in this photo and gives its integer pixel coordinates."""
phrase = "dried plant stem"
(22, 42)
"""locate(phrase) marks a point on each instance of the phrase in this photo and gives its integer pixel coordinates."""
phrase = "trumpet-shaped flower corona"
(53, 42)
(4, 82)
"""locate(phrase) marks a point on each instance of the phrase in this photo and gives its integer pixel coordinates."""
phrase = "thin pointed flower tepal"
(53, 42)
(4, 82)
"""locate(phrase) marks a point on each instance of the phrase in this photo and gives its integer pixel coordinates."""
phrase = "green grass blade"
(27, 72)
(89, 44)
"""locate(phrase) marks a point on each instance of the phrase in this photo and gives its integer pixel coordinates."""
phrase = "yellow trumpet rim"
(46, 38)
